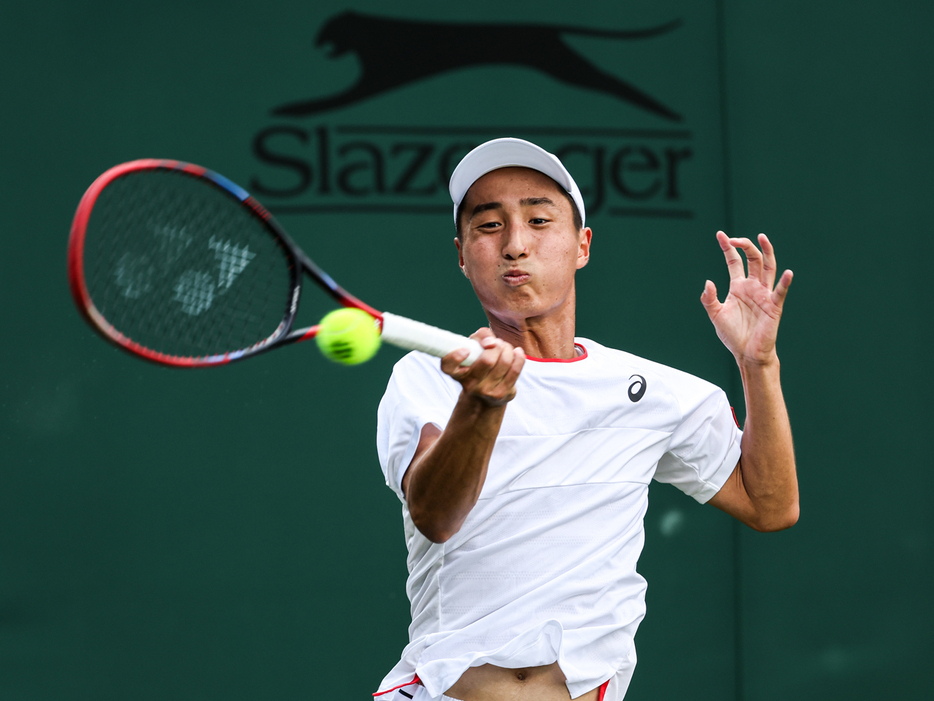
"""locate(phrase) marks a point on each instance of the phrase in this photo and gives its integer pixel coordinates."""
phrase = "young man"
(524, 477)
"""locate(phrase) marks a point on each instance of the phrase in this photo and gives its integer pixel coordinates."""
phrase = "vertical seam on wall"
(735, 380)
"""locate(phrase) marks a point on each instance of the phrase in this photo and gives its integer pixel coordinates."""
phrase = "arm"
(447, 472)
(762, 492)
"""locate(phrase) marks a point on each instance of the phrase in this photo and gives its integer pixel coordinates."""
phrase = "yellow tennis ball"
(348, 336)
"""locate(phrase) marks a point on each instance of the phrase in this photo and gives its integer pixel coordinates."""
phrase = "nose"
(515, 243)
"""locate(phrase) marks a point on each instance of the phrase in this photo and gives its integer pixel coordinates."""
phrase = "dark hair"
(578, 221)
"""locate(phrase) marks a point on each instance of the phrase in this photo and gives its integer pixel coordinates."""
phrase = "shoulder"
(417, 364)
(615, 365)
(614, 361)
(416, 373)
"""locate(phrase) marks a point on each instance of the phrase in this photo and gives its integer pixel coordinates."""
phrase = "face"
(519, 246)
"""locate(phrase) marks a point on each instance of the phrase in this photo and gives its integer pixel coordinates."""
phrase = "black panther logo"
(394, 52)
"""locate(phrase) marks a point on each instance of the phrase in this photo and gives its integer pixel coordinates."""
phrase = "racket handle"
(414, 335)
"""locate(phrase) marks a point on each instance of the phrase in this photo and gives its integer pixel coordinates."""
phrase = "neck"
(548, 336)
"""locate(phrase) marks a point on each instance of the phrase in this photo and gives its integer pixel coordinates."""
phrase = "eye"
(538, 221)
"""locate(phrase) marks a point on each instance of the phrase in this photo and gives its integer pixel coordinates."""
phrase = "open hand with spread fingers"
(747, 320)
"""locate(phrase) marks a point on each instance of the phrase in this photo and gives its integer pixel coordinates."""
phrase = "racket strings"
(182, 268)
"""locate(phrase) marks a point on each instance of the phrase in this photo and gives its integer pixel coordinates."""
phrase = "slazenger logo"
(392, 165)
(394, 53)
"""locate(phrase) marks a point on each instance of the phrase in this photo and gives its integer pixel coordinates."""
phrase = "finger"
(512, 376)
(487, 341)
(709, 299)
(477, 372)
(781, 289)
(505, 389)
(769, 266)
(481, 333)
(486, 381)
(734, 262)
(753, 256)
(519, 362)
(451, 363)
(500, 367)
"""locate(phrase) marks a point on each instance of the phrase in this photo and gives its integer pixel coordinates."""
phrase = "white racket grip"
(414, 335)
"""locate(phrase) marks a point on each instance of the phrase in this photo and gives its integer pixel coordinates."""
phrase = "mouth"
(514, 278)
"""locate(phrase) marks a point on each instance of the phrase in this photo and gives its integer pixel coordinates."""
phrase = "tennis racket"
(178, 265)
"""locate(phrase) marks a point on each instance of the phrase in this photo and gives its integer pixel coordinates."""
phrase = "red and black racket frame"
(298, 262)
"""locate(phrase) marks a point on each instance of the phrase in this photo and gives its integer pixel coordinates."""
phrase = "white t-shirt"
(544, 567)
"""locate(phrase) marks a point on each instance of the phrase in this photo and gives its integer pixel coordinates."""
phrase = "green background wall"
(226, 534)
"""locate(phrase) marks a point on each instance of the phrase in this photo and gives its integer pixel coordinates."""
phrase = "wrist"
(759, 372)
(477, 405)
(753, 363)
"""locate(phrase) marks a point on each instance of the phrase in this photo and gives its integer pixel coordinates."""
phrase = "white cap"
(505, 153)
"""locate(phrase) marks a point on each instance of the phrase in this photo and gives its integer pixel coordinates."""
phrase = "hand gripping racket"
(180, 266)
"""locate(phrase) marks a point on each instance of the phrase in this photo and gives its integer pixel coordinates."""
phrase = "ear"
(583, 251)
(460, 257)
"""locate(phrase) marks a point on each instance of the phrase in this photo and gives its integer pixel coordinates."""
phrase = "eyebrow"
(533, 201)
(527, 201)
(485, 207)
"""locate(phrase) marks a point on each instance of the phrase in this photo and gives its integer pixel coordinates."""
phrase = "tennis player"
(524, 477)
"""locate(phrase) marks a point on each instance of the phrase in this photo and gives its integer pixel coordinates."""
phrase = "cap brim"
(506, 153)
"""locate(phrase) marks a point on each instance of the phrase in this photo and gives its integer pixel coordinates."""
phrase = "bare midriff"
(491, 683)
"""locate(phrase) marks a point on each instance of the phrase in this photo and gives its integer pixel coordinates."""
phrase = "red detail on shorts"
(582, 356)
(735, 420)
(415, 680)
(603, 690)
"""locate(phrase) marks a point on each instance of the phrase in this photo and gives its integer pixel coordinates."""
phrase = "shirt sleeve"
(418, 394)
(705, 445)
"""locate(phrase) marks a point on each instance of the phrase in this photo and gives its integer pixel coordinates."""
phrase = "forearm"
(767, 465)
(445, 481)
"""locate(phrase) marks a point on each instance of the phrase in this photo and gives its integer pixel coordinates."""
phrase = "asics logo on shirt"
(637, 388)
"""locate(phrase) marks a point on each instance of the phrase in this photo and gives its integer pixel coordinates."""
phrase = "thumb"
(709, 299)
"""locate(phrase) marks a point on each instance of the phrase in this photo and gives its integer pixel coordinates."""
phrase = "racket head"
(178, 265)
